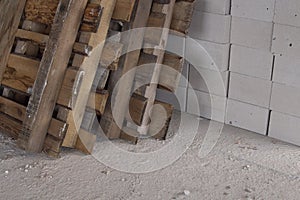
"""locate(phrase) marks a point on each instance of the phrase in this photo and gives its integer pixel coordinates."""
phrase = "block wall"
(256, 48)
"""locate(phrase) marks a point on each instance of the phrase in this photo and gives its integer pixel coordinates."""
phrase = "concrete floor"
(242, 165)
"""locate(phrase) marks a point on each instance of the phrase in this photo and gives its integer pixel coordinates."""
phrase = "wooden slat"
(39, 38)
(10, 15)
(151, 90)
(51, 73)
(92, 18)
(56, 129)
(86, 142)
(97, 101)
(89, 65)
(41, 11)
(111, 53)
(129, 62)
(137, 106)
(70, 87)
(124, 10)
(20, 73)
(82, 49)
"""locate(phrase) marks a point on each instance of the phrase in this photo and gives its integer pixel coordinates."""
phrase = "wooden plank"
(10, 15)
(56, 129)
(137, 106)
(130, 61)
(41, 11)
(111, 53)
(39, 38)
(82, 49)
(20, 73)
(86, 142)
(101, 79)
(28, 47)
(151, 89)
(10, 126)
(160, 120)
(97, 101)
(51, 73)
(124, 10)
(92, 17)
(89, 65)
(153, 36)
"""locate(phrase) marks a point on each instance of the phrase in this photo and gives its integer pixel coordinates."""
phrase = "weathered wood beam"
(129, 63)
(89, 66)
(10, 15)
(51, 74)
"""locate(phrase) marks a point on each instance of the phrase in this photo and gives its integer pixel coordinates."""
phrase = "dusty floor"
(243, 165)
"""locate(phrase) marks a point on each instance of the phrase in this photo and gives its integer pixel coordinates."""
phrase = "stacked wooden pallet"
(50, 64)
(56, 79)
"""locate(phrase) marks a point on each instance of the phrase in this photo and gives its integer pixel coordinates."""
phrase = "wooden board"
(41, 11)
(124, 10)
(51, 74)
(151, 89)
(10, 15)
(108, 124)
(89, 66)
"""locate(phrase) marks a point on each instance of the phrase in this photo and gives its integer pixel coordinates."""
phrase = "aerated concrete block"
(213, 6)
(210, 27)
(209, 81)
(287, 70)
(287, 12)
(251, 33)
(246, 116)
(250, 90)
(262, 10)
(285, 128)
(285, 99)
(286, 40)
(210, 106)
(251, 62)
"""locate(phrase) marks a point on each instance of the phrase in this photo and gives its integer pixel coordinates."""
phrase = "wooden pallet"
(39, 83)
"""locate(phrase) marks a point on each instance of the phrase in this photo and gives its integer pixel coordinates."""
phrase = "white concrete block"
(208, 55)
(184, 80)
(178, 100)
(253, 9)
(213, 6)
(285, 127)
(246, 116)
(209, 81)
(250, 90)
(251, 33)
(285, 99)
(286, 40)
(210, 106)
(252, 62)
(287, 70)
(287, 12)
(210, 27)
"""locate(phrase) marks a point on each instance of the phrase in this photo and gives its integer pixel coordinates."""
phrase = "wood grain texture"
(89, 66)
(151, 89)
(134, 41)
(51, 73)
(41, 11)
(10, 15)
(124, 10)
